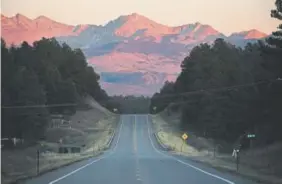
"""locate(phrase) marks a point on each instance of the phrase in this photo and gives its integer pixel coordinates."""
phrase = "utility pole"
(237, 160)
(214, 150)
(37, 158)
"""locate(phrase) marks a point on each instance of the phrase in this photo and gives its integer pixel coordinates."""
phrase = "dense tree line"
(46, 73)
(225, 91)
(130, 104)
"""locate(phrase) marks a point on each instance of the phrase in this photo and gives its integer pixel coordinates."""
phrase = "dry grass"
(93, 132)
(172, 138)
(19, 165)
(262, 165)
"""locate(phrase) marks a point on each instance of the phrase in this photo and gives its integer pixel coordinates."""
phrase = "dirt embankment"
(261, 164)
(91, 130)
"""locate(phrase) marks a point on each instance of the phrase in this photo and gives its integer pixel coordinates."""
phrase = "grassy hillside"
(260, 164)
(91, 129)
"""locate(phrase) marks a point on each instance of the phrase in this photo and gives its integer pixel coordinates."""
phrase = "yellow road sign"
(184, 136)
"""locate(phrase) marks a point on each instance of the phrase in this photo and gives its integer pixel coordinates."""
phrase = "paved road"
(135, 158)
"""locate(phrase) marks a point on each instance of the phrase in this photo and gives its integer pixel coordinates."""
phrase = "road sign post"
(184, 138)
(37, 165)
(155, 109)
(214, 151)
(237, 160)
(182, 145)
(251, 137)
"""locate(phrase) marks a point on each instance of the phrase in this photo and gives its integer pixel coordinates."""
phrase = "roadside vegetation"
(52, 103)
(131, 104)
(223, 94)
(42, 79)
(91, 130)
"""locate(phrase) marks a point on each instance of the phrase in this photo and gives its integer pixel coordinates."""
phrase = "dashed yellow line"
(138, 174)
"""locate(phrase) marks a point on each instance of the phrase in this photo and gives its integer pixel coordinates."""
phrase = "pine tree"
(273, 50)
(276, 39)
(275, 42)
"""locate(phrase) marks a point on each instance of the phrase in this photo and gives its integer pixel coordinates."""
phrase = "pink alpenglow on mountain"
(255, 34)
(125, 89)
(131, 46)
(134, 22)
(133, 62)
(19, 28)
(251, 34)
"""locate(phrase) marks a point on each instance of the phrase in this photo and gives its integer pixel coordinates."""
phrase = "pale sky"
(224, 15)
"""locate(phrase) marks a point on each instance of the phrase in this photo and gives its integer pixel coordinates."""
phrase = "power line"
(38, 106)
(162, 96)
(216, 89)
(193, 101)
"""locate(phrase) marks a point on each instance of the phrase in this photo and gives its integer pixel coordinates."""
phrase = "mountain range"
(132, 54)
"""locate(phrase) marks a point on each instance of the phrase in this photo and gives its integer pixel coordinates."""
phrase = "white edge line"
(80, 168)
(111, 139)
(180, 161)
(55, 181)
(119, 132)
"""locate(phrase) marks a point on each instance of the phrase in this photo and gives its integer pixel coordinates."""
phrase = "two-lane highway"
(135, 158)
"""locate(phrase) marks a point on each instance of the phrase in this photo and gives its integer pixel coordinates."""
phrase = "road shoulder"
(171, 141)
(25, 165)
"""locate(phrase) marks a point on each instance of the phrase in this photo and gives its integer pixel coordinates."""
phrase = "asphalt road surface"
(136, 158)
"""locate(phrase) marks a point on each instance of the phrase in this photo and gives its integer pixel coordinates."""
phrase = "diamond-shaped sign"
(184, 136)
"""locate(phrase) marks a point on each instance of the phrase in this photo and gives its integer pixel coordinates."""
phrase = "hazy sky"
(224, 15)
